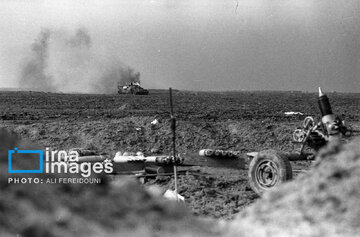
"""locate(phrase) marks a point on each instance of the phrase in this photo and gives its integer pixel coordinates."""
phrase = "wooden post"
(173, 129)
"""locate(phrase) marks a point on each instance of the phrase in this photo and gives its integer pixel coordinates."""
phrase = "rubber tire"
(282, 165)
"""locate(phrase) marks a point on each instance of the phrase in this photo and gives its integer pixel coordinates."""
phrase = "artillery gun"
(266, 169)
(270, 168)
(132, 88)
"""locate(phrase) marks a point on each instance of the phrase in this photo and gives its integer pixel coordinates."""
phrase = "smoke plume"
(60, 62)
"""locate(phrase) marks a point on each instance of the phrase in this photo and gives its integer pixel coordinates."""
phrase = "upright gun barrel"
(324, 104)
(330, 121)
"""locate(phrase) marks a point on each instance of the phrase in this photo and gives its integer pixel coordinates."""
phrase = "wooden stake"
(173, 129)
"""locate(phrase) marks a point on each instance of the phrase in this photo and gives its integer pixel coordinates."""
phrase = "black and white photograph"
(191, 118)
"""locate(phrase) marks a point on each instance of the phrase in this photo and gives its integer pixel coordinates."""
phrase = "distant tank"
(132, 88)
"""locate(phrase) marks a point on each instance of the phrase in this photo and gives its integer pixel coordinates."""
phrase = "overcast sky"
(203, 44)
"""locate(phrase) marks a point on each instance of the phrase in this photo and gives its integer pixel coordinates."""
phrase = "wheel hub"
(267, 174)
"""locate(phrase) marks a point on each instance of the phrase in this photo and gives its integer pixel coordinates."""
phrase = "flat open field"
(242, 121)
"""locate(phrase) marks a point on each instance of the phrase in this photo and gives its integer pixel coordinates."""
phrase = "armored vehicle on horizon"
(132, 88)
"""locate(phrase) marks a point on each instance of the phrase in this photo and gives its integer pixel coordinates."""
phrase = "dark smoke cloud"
(33, 71)
(80, 39)
(60, 62)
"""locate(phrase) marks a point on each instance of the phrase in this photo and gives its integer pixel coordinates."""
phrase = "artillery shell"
(91, 159)
(218, 153)
(206, 152)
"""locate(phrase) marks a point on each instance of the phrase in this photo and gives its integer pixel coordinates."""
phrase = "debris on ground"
(293, 113)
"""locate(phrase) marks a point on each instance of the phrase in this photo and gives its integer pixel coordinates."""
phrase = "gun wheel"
(267, 170)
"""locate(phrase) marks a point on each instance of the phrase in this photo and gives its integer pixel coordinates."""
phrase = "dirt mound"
(107, 209)
(323, 202)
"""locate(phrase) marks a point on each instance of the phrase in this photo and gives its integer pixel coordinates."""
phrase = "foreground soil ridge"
(323, 202)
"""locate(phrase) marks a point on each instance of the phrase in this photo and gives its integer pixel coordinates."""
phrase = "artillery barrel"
(299, 157)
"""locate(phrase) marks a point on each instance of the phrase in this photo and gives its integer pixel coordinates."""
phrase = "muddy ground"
(242, 121)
